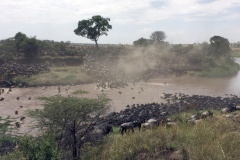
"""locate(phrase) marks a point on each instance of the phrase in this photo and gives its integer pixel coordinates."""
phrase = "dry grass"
(213, 138)
(236, 52)
(58, 76)
(216, 138)
(80, 92)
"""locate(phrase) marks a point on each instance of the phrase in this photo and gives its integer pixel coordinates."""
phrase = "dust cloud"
(113, 71)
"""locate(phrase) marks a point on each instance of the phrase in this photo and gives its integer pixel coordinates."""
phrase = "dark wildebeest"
(107, 129)
(229, 109)
(137, 124)
(96, 135)
(103, 129)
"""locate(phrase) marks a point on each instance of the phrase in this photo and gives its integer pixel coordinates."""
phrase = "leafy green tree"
(19, 39)
(30, 48)
(7, 48)
(158, 36)
(219, 46)
(93, 28)
(142, 42)
(70, 118)
(43, 147)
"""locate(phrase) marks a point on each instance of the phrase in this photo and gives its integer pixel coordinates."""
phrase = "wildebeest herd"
(117, 72)
(11, 69)
(151, 115)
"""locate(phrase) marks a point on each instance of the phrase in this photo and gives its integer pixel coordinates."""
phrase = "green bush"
(39, 148)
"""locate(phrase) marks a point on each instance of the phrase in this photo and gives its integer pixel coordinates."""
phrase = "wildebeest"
(162, 120)
(103, 129)
(126, 127)
(4, 83)
(150, 124)
(196, 116)
(96, 134)
(137, 124)
(229, 109)
(22, 118)
(107, 129)
(206, 114)
(17, 124)
(22, 85)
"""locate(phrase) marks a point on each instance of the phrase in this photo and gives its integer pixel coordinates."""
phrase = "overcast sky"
(183, 21)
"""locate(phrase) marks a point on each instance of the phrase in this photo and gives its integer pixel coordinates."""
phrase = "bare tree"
(158, 36)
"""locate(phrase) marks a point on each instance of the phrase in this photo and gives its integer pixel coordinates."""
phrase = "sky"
(183, 21)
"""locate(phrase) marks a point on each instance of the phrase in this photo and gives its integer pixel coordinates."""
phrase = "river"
(212, 86)
(153, 90)
(140, 93)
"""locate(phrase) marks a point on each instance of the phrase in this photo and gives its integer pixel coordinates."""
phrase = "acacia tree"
(158, 36)
(70, 119)
(219, 46)
(142, 42)
(93, 28)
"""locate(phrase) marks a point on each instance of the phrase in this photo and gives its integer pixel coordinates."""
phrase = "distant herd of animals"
(11, 69)
(110, 75)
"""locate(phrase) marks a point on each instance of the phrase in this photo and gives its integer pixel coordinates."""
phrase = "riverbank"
(66, 75)
(212, 138)
(75, 75)
(236, 52)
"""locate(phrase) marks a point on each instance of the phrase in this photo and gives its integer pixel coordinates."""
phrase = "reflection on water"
(201, 85)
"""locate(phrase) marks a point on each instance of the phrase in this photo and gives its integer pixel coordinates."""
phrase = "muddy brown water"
(140, 93)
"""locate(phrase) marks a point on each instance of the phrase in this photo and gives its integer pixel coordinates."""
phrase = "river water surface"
(140, 93)
(212, 86)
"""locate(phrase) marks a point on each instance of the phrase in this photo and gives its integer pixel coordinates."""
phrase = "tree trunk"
(74, 149)
(96, 44)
